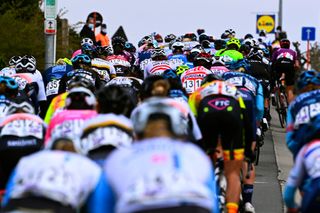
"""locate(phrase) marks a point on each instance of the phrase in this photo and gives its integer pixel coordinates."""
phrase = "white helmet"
(86, 41)
(177, 45)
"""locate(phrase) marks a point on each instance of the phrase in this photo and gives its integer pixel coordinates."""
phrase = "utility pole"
(50, 30)
(280, 13)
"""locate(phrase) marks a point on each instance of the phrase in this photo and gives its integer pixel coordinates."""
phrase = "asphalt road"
(272, 171)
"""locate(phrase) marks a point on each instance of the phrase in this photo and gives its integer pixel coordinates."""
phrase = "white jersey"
(8, 71)
(125, 81)
(42, 92)
(106, 129)
(65, 177)
(158, 67)
(104, 68)
(159, 173)
(307, 163)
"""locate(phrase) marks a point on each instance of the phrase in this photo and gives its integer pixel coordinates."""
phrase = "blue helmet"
(316, 80)
(305, 78)
(80, 59)
(88, 49)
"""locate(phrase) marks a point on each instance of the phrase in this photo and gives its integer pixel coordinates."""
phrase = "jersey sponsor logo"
(21, 143)
(307, 113)
(219, 103)
(23, 128)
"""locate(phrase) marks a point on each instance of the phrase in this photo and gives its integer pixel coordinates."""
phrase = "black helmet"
(210, 78)
(115, 99)
(118, 40)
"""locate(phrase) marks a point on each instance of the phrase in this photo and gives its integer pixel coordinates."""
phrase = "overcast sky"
(141, 17)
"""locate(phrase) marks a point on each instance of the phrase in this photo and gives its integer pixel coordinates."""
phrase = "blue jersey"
(182, 57)
(243, 80)
(303, 120)
(55, 72)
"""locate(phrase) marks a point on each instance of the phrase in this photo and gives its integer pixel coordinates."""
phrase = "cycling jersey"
(181, 57)
(219, 70)
(8, 71)
(21, 134)
(67, 124)
(104, 68)
(158, 67)
(192, 78)
(57, 104)
(68, 178)
(243, 80)
(106, 130)
(307, 164)
(157, 173)
(302, 120)
(52, 78)
(234, 55)
(121, 64)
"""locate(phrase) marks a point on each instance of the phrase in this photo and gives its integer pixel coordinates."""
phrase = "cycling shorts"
(221, 116)
(249, 101)
(37, 204)
(12, 149)
(286, 67)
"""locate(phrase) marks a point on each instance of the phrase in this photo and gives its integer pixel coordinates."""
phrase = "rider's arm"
(291, 143)
(259, 103)
(102, 199)
(9, 188)
(211, 183)
(294, 180)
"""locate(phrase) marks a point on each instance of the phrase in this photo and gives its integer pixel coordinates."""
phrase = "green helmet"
(234, 41)
(181, 69)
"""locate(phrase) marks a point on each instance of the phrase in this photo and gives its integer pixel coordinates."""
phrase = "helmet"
(305, 78)
(234, 41)
(249, 42)
(169, 74)
(25, 65)
(157, 52)
(285, 43)
(63, 61)
(88, 50)
(154, 108)
(190, 36)
(14, 60)
(115, 99)
(81, 59)
(118, 40)
(219, 44)
(130, 47)
(80, 81)
(169, 38)
(316, 80)
(86, 41)
(108, 50)
(210, 78)
(248, 36)
(80, 98)
(31, 58)
(101, 51)
(262, 33)
(203, 57)
(203, 37)
(8, 86)
(23, 106)
(158, 38)
(177, 45)
(229, 32)
(218, 61)
(181, 69)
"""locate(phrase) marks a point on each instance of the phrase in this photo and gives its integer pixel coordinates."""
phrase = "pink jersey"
(68, 124)
(192, 78)
(77, 52)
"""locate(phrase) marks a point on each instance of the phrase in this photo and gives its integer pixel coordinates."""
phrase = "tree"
(315, 56)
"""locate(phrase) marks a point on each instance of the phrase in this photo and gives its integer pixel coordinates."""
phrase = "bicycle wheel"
(257, 153)
(279, 109)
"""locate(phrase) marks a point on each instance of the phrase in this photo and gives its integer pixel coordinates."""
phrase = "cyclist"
(111, 128)
(80, 106)
(176, 90)
(191, 79)
(104, 68)
(177, 52)
(232, 50)
(59, 102)
(285, 64)
(22, 133)
(161, 180)
(302, 114)
(306, 165)
(121, 59)
(191, 56)
(56, 181)
(160, 63)
(83, 42)
(218, 66)
(220, 110)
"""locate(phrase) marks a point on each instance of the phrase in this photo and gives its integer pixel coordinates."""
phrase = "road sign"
(265, 22)
(308, 33)
(50, 9)
(50, 26)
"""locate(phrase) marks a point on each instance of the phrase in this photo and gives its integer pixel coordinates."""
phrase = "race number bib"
(119, 62)
(192, 85)
(21, 82)
(306, 113)
(23, 128)
(69, 128)
(105, 136)
(52, 87)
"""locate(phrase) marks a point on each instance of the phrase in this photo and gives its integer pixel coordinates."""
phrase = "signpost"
(308, 34)
(265, 22)
(50, 30)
